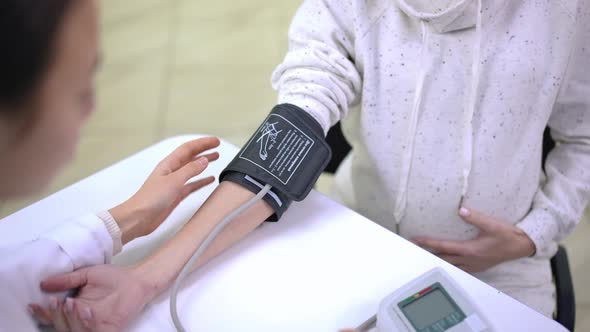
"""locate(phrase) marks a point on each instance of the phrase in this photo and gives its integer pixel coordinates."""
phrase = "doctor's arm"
(111, 297)
(93, 239)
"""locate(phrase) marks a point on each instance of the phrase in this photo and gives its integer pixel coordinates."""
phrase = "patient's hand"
(110, 297)
(165, 188)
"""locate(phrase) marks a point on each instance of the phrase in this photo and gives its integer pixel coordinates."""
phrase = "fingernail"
(69, 305)
(53, 303)
(86, 314)
(203, 161)
(463, 212)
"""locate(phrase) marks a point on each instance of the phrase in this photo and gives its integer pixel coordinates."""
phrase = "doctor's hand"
(165, 188)
(497, 242)
(109, 298)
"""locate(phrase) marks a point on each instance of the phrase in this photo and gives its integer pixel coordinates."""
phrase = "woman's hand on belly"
(497, 242)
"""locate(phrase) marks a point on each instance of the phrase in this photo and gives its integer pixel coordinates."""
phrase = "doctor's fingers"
(76, 316)
(41, 314)
(56, 308)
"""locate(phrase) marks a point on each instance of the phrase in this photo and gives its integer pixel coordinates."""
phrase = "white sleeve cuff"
(85, 240)
(113, 229)
(313, 107)
(541, 226)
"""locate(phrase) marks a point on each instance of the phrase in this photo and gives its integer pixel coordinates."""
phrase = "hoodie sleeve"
(318, 73)
(559, 204)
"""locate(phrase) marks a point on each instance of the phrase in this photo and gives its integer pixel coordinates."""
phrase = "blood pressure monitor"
(431, 303)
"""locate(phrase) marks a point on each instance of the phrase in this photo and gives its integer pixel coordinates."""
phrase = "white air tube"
(187, 267)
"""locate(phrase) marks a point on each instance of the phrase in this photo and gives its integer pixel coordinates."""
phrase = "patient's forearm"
(162, 267)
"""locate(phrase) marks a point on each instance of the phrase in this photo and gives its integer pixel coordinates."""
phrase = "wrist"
(149, 287)
(126, 215)
(152, 280)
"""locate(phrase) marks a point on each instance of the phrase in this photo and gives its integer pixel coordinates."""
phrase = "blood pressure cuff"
(288, 151)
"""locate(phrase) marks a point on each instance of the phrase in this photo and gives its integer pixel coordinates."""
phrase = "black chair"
(565, 300)
(564, 288)
(560, 267)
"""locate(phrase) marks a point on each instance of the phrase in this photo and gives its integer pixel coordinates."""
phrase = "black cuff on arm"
(277, 201)
(288, 152)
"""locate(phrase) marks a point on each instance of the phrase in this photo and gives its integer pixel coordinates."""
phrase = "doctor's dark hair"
(28, 34)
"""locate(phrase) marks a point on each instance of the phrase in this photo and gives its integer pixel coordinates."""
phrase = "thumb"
(479, 220)
(64, 282)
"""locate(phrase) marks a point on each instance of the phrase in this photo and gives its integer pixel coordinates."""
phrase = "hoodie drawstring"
(470, 109)
(400, 205)
(401, 202)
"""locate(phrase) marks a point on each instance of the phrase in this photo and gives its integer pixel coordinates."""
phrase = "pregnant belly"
(433, 211)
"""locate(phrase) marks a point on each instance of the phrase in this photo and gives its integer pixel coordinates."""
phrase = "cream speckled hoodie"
(453, 102)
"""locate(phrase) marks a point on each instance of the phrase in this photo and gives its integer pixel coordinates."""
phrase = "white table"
(322, 268)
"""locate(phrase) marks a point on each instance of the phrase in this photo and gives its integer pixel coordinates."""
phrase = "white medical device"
(433, 302)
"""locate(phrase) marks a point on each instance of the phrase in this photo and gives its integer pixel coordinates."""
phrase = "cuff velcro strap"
(277, 201)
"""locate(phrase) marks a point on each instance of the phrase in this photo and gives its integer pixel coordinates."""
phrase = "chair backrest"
(564, 290)
(340, 148)
(548, 145)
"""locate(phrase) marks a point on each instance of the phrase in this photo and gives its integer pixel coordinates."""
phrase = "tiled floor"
(186, 66)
